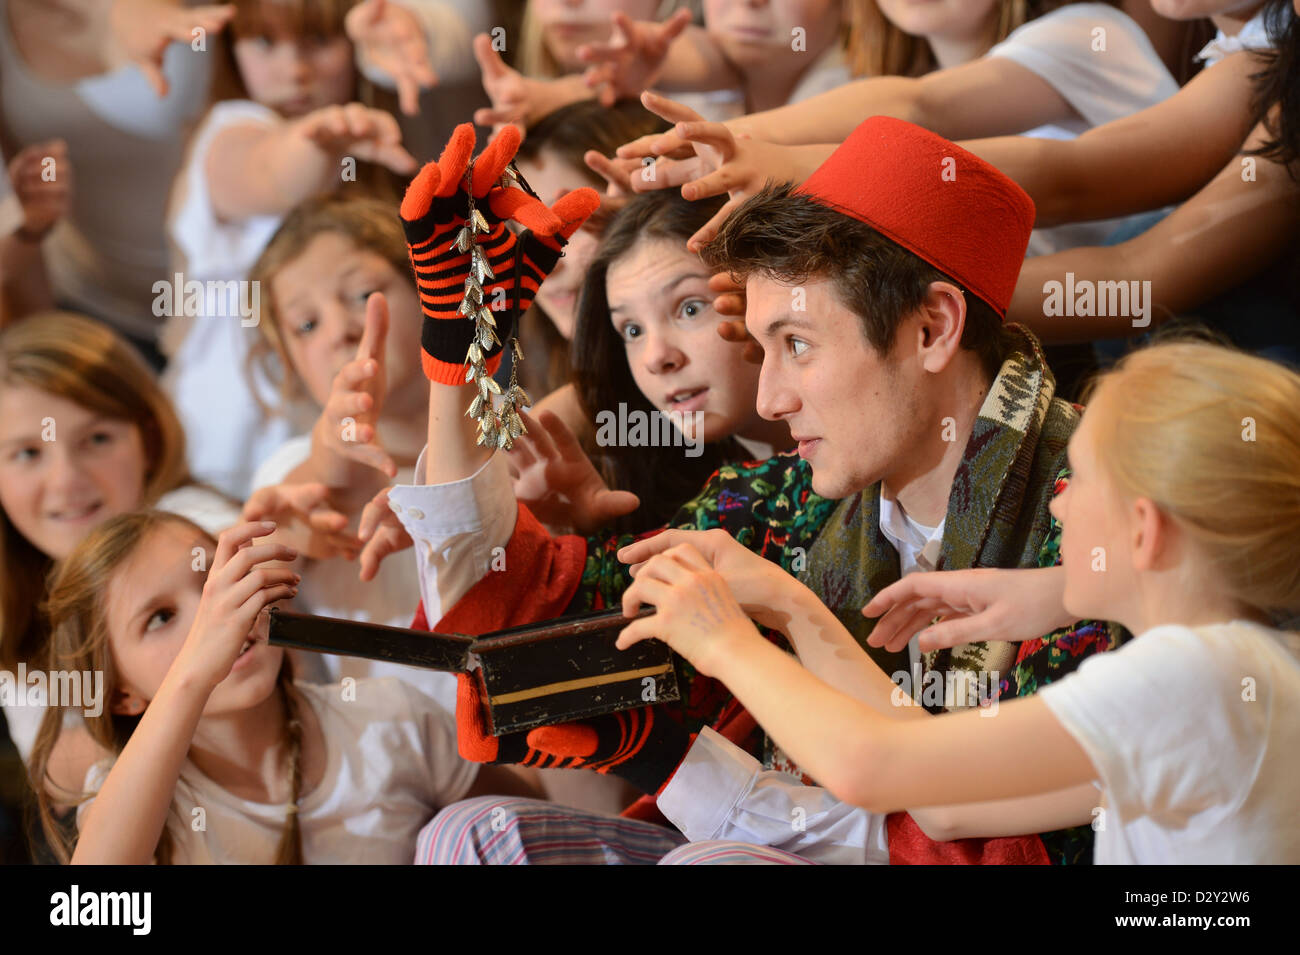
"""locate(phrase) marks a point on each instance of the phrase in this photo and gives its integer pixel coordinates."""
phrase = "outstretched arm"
(1228, 232)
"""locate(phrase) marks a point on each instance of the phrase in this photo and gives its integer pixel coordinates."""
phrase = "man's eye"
(797, 346)
(158, 618)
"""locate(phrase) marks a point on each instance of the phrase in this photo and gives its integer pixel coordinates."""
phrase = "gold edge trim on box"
(566, 685)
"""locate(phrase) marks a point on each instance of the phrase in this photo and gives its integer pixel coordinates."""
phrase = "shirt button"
(394, 506)
(417, 513)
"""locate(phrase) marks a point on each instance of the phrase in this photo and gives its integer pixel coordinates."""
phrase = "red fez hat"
(935, 199)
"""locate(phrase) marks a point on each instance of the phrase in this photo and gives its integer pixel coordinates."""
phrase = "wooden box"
(555, 671)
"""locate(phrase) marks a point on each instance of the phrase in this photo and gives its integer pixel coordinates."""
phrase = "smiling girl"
(85, 434)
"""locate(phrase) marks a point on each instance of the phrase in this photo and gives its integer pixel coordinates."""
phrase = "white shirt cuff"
(714, 776)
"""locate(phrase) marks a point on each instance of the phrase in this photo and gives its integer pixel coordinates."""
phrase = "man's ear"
(127, 703)
(942, 323)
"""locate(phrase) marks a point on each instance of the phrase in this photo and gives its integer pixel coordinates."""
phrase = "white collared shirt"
(1252, 36)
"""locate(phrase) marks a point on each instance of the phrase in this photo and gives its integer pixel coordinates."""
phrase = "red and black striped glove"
(642, 746)
(435, 212)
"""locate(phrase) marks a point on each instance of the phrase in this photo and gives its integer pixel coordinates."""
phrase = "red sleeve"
(908, 845)
(541, 576)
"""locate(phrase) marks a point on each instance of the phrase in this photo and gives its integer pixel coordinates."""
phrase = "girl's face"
(320, 306)
(955, 19)
(64, 468)
(661, 306)
(752, 34)
(296, 74)
(1095, 530)
(551, 177)
(151, 604)
(568, 24)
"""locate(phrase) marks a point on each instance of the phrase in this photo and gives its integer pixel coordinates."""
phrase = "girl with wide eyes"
(200, 711)
(85, 434)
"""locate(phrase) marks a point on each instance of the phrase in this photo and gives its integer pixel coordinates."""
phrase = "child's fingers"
(563, 439)
(642, 550)
(706, 233)
(259, 600)
(521, 454)
(373, 514)
(372, 456)
(610, 505)
(262, 579)
(672, 111)
(635, 632)
(387, 540)
(617, 173)
(375, 336)
(493, 117)
(490, 63)
(952, 631)
(250, 555)
(233, 538)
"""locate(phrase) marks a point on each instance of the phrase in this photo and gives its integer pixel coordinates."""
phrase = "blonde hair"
(79, 642)
(73, 357)
(878, 48)
(1212, 436)
(370, 223)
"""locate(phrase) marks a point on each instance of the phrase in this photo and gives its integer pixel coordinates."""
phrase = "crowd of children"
(971, 526)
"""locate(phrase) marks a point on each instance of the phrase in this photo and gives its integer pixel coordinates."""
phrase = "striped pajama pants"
(496, 830)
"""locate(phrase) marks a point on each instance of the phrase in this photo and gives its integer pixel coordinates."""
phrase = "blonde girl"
(1186, 480)
(202, 713)
(85, 434)
(344, 350)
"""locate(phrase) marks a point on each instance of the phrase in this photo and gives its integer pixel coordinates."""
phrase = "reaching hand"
(731, 301)
(724, 161)
(558, 481)
(633, 56)
(44, 202)
(141, 31)
(516, 98)
(304, 520)
(391, 38)
(236, 592)
(696, 610)
(346, 424)
(382, 533)
(764, 591)
(972, 606)
(356, 130)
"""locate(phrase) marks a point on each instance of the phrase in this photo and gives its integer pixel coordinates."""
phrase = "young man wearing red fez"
(929, 438)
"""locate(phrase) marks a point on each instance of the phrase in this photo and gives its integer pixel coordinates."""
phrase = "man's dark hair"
(791, 238)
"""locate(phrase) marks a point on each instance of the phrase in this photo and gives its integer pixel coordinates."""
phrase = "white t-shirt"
(1065, 49)
(1252, 36)
(391, 764)
(1194, 734)
(333, 588)
(229, 433)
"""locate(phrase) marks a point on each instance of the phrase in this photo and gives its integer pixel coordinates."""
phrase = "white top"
(126, 146)
(1193, 733)
(830, 70)
(228, 433)
(1252, 36)
(1064, 48)
(333, 588)
(391, 763)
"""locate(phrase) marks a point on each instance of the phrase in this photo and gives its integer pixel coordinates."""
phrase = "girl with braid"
(219, 756)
